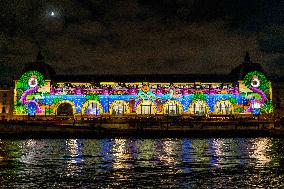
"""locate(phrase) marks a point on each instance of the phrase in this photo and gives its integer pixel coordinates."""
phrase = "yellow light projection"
(119, 107)
(92, 107)
(146, 107)
(198, 107)
(223, 107)
(172, 107)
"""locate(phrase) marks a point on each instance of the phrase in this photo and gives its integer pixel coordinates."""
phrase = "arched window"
(92, 108)
(198, 107)
(32, 109)
(3, 110)
(223, 107)
(146, 107)
(172, 107)
(65, 109)
(118, 107)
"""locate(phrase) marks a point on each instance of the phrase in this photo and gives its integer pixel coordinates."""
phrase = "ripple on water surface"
(142, 163)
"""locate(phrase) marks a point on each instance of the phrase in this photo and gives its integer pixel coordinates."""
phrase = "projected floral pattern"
(36, 96)
(260, 96)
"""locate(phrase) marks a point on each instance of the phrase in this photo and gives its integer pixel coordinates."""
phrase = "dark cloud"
(272, 40)
(135, 36)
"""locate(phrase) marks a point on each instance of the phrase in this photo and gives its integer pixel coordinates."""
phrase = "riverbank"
(146, 128)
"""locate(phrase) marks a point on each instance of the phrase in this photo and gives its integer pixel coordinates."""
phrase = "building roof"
(146, 78)
(236, 74)
(245, 67)
(40, 66)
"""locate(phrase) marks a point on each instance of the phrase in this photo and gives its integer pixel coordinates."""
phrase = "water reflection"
(167, 151)
(121, 154)
(224, 152)
(73, 157)
(145, 156)
(132, 163)
(259, 149)
(200, 152)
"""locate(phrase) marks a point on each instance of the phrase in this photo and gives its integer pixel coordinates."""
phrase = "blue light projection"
(106, 100)
(36, 96)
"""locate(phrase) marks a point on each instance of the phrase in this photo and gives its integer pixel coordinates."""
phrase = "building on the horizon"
(40, 92)
(6, 102)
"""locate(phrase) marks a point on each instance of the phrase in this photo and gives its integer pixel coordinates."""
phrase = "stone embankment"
(140, 127)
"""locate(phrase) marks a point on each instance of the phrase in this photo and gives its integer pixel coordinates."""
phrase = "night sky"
(135, 36)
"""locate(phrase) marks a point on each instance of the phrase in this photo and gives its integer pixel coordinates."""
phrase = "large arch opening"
(198, 107)
(118, 108)
(172, 108)
(223, 107)
(65, 109)
(92, 107)
(146, 107)
(32, 109)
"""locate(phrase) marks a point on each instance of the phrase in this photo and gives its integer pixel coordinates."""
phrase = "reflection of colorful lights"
(72, 145)
(1, 157)
(30, 151)
(75, 159)
(120, 155)
(224, 152)
(198, 149)
(106, 145)
(186, 154)
(146, 150)
(259, 149)
(169, 149)
(217, 151)
(218, 145)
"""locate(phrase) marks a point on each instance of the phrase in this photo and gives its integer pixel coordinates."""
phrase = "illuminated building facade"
(246, 90)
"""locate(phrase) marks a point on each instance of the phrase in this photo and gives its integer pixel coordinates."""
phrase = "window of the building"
(223, 107)
(93, 108)
(119, 108)
(146, 107)
(172, 108)
(4, 99)
(198, 107)
(3, 110)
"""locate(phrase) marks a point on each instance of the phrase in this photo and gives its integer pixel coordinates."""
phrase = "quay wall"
(142, 128)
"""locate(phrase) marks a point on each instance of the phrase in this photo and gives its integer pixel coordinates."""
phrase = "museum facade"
(40, 92)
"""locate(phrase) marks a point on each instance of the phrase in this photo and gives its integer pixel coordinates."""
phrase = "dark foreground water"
(142, 163)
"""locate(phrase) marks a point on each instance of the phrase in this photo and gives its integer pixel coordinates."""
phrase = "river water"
(142, 163)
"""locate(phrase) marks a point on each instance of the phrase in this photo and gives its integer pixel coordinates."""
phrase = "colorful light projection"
(26, 89)
(223, 107)
(198, 107)
(92, 107)
(146, 107)
(119, 107)
(257, 89)
(173, 107)
(36, 96)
